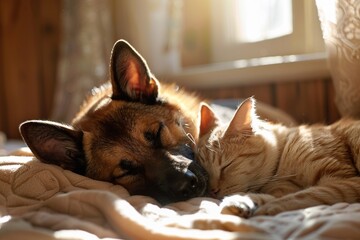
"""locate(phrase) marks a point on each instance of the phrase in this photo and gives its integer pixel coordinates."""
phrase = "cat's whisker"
(219, 143)
(210, 148)
(191, 138)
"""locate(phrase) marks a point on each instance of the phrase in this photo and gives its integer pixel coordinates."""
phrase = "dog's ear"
(55, 143)
(131, 78)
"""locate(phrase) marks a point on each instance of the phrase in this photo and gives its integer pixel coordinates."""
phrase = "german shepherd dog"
(131, 131)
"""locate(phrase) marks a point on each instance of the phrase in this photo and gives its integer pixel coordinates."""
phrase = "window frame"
(306, 36)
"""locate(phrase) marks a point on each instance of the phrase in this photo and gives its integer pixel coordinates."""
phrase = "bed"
(42, 201)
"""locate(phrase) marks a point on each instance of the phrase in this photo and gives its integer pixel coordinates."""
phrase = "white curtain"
(90, 28)
(153, 27)
(87, 39)
(340, 22)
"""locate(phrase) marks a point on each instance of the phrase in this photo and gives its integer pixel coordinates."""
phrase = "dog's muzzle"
(189, 179)
(176, 176)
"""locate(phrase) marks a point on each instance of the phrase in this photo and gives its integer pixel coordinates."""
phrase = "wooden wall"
(29, 49)
(310, 101)
(30, 34)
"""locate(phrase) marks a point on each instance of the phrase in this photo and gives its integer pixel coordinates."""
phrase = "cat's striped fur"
(264, 168)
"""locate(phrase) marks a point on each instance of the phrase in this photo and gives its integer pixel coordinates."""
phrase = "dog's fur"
(130, 132)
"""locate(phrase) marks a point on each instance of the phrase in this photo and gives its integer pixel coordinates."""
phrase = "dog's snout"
(189, 186)
(178, 175)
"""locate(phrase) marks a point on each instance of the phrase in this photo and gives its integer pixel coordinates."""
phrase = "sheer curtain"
(154, 28)
(87, 38)
(340, 21)
(90, 28)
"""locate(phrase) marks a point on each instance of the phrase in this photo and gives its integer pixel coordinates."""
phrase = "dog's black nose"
(189, 187)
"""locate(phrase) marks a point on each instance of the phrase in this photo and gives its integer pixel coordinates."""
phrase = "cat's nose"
(190, 185)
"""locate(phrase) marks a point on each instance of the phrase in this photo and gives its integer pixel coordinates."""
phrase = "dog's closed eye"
(149, 136)
(154, 137)
(129, 167)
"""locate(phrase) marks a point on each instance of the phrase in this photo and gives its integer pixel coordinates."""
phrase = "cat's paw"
(269, 209)
(238, 205)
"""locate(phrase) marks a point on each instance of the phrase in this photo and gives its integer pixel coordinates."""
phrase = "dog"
(132, 131)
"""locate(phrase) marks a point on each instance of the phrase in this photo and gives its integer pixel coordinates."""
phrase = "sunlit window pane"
(259, 20)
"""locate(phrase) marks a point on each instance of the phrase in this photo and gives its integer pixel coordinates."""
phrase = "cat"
(260, 168)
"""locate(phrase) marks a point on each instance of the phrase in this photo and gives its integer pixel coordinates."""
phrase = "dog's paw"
(238, 205)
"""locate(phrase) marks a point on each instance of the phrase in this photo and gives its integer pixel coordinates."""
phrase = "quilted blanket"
(42, 201)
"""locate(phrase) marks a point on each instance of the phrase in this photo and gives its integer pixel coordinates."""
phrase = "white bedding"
(42, 201)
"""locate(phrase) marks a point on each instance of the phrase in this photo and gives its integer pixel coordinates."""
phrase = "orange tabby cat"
(269, 168)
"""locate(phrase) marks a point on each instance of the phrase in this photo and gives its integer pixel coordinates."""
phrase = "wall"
(29, 48)
(310, 101)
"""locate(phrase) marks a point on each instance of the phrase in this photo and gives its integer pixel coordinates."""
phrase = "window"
(243, 29)
(260, 20)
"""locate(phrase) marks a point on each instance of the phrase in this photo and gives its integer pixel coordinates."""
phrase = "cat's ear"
(208, 119)
(243, 118)
(55, 143)
(130, 75)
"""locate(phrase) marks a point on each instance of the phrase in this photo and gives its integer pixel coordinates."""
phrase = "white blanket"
(42, 201)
